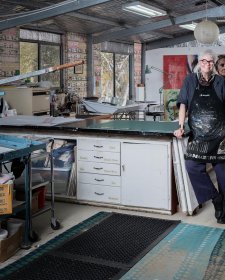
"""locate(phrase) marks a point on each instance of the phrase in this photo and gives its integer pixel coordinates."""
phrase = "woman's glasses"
(205, 61)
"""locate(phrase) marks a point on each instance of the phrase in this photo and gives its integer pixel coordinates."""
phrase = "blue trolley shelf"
(22, 148)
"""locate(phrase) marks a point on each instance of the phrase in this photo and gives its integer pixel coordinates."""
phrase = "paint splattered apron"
(206, 118)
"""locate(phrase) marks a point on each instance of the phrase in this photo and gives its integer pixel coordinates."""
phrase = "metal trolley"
(54, 222)
(22, 148)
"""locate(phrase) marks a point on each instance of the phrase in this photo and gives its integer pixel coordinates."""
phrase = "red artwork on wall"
(175, 71)
(176, 68)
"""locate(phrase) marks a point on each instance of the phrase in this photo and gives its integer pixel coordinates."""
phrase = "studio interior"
(112, 140)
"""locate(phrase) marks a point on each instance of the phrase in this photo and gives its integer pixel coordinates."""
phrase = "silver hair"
(204, 53)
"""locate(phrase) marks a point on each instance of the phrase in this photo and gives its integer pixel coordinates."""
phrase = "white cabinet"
(129, 172)
(98, 170)
(28, 101)
(146, 174)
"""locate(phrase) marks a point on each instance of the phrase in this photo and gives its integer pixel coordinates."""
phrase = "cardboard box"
(6, 197)
(20, 196)
(10, 245)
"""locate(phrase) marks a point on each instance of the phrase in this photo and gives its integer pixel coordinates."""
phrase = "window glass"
(35, 54)
(122, 76)
(107, 75)
(39, 36)
(50, 56)
(114, 77)
(29, 59)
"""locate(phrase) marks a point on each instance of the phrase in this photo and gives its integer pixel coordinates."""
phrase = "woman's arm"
(182, 114)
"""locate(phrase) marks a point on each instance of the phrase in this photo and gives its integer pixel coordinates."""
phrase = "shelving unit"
(13, 148)
(64, 167)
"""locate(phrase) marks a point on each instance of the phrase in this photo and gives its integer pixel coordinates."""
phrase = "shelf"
(55, 168)
(18, 206)
(42, 210)
(36, 186)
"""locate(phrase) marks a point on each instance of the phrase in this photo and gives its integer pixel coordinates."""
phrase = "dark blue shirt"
(191, 83)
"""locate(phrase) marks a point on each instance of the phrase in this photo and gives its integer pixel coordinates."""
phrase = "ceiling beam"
(163, 43)
(209, 13)
(50, 11)
(94, 19)
(111, 23)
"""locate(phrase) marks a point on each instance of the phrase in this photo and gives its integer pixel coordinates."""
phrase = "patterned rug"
(105, 246)
(189, 252)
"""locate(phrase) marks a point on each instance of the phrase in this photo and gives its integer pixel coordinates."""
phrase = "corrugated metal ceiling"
(106, 20)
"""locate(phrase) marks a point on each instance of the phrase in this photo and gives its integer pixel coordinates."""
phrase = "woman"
(220, 65)
(202, 97)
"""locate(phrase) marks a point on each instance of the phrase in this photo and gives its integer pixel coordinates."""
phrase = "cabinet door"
(146, 174)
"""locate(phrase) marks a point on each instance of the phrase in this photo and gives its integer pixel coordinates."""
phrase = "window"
(40, 50)
(29, 59)
(115, 76)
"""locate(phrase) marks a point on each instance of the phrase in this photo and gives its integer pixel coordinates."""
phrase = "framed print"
(78, 69)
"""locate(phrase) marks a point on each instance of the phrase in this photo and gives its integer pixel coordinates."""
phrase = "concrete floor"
(70, 214)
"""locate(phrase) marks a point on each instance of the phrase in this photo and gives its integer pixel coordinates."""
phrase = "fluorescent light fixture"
(189, 26)
(143, 9)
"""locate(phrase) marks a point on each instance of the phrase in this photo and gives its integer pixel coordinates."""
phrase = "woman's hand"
(179, 132)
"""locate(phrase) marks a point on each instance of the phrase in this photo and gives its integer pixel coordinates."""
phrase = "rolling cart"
(11, 148)
(18, 148)
(55, 225)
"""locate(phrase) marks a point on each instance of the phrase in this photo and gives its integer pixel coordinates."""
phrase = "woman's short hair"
(203, 54)
(207, 52)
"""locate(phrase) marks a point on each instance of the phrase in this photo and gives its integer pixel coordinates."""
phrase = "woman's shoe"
(218, 202)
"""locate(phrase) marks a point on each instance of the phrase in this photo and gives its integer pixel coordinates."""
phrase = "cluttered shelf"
(15, 148)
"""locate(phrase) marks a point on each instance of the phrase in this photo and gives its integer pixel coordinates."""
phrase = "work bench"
(121, 163)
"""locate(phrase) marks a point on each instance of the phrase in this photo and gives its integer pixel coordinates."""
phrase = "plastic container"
(13, 226)
(3, 234)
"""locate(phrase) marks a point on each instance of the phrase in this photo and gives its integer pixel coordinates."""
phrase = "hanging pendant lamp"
(206, 32)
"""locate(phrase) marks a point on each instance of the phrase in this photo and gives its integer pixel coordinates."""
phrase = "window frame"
(39, 44)
(114, 71)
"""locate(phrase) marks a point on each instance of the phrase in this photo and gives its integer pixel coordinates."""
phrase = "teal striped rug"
(189, 252)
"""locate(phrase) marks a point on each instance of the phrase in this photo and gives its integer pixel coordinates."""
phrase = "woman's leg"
(219, 169)
(203, 186)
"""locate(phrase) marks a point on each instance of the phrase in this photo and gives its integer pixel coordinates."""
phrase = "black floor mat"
(119, 238)
(57, 268)
(105, 251)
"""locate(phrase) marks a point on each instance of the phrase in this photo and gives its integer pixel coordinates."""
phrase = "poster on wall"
(175, 69)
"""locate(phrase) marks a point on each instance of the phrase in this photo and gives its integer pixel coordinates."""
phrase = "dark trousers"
(202, 184)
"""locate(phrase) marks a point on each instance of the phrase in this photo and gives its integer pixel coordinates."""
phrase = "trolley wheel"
(55, 225)
(33, 237)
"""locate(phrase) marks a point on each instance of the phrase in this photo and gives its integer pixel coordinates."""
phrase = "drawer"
(41, 103)
(98, 193)
(97, 156)
(98, 145)
(99, 168)
(96, 179)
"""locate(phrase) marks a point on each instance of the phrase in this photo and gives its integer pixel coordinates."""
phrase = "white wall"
(154, 80)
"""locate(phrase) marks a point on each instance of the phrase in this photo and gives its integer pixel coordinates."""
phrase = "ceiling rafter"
(50, 11)
(108, 36)
(162, 43)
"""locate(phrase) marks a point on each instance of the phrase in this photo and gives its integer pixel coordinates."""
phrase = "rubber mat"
(107, 250)
(119, 238)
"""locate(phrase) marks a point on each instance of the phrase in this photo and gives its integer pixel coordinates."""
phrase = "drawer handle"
(99, 180)
(98, 168)
(99, 193)
(96, 146)
(98, 157)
